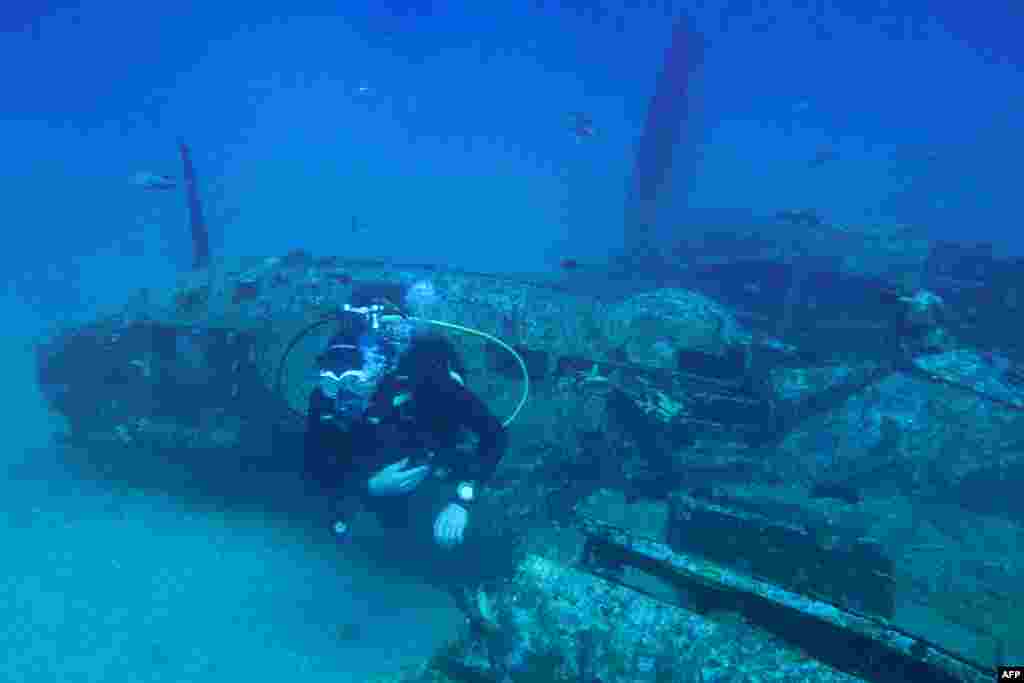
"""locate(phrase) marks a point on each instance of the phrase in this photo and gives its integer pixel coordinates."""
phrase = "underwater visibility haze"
(458, 342)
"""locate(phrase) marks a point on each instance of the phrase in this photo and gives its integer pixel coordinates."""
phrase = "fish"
(836, 491)
(148, 180)
(340, 277)
(802, 217)
(582, 126)
(569, 264)
(823, 156)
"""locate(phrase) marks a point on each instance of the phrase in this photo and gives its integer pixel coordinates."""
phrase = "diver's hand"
(395, 480)
(450, 525)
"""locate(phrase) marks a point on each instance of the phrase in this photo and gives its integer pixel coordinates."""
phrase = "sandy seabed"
(102, 582)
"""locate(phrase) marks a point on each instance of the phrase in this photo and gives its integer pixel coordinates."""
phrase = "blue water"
(430, 132)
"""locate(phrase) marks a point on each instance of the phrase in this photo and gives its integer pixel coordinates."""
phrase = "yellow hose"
(489, 337)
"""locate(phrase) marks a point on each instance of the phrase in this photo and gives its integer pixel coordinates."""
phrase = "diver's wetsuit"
(342, 458)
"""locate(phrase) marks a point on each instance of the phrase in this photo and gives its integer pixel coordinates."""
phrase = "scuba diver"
(387, 415)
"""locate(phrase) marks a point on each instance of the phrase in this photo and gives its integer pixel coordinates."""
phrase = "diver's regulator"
(372, 312)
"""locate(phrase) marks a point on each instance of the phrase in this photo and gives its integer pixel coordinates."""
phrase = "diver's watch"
(465, 491)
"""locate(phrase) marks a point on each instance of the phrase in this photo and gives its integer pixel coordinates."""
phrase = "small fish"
(153, 181)
(823, 156)
(569, 264)
(582, 126)
(836, 491)
(357, 225)
(340, 277)
(805, 217)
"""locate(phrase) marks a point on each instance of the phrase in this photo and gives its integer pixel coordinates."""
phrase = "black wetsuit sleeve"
(492, 436)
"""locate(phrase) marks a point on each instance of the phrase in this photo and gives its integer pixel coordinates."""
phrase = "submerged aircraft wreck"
(688, 496)
(780, 451)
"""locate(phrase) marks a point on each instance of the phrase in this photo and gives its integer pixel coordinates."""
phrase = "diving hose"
(524, 396)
